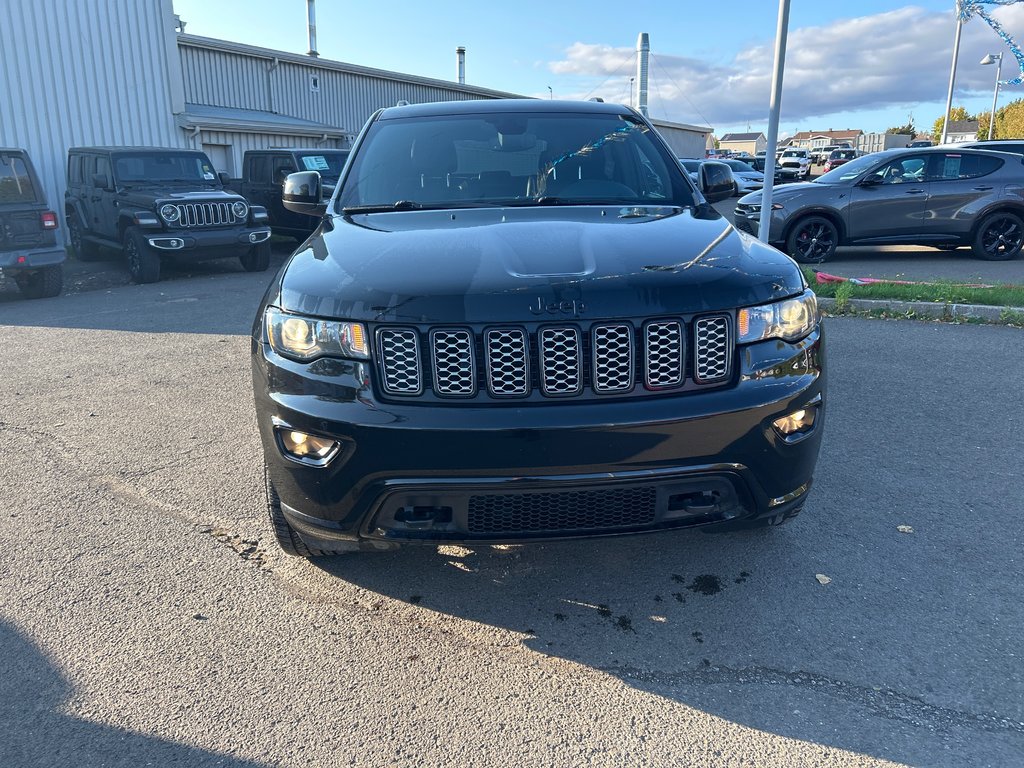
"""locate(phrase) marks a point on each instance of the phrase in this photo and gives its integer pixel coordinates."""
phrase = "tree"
(1010, 120)
(907, 129)
(983, 119)
(956, 113)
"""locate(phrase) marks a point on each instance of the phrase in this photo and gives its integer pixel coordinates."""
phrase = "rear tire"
(43, 283)
(257, 259)
(84, 250)
(999, 237)
(143, 262)
(812, 240)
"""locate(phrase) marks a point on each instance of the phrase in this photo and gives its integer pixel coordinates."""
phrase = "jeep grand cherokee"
(519, 320)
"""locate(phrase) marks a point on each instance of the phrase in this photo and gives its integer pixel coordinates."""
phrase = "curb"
(926, 308)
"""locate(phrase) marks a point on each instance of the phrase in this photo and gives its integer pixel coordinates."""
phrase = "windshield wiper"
(409, 205)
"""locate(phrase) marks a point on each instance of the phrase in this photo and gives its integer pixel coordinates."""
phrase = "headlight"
(756, 207)
(789, 320)
(305, 338)
(169, 213)
(240, 209)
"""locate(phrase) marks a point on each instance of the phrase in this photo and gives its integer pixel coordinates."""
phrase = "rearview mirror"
(225, 180)
(99, 180)
(303, 193)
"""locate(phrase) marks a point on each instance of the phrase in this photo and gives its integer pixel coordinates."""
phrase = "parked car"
(29, 251)
(488, 344)
(714, 178)
(759, 163)
(1016, 146)
(263, 175)
(929, 196)
(920, 143)
(795, 163)
(840, 156)
(746, 178)
(152, 202)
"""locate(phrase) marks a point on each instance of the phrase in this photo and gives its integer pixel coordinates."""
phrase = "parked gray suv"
(936, 196)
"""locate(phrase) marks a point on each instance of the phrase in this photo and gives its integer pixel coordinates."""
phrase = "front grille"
(560, 361)
(561, 511)
(713, 350)
(205, 214)
(604, 359)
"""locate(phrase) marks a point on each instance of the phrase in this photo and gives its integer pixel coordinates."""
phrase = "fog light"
(307, 448)
(796, 422)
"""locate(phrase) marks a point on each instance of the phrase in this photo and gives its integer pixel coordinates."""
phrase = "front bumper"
(210, 243)
(749, 221)
(31, 258)
(427, 473)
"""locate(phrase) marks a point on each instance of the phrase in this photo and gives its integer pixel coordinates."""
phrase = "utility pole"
(952, 73)
(775, 108)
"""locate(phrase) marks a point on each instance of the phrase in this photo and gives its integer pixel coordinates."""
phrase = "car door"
(956, 180)
(106, 197)
(280, 167)
(889, 201)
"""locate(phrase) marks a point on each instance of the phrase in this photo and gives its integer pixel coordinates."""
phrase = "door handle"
(915, 191)
(982, 189)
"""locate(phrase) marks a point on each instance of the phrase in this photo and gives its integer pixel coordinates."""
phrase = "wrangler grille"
(205, 214)
(559, 361)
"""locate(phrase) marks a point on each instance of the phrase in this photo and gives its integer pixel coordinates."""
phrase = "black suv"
(518, 319)
(150, 201)
(29, 251)
(263, 175)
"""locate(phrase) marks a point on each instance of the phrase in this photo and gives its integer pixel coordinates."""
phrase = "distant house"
(743, 142)
(962, 130)
(819, 139)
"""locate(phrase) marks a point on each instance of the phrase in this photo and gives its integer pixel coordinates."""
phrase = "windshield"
(691, 165)
(452, 161)
(738, 165)
(843, 154)
(164, 167)
(329, 164)
(794, 153)
(15, 182)
(848, 171)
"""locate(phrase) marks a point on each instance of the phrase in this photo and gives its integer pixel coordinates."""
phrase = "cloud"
(896, 58)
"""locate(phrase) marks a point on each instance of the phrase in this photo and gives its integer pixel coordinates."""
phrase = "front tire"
(999, 237)
(287, 537)
(44, 283)
(257, 259)
(143, 262)
(812, 240)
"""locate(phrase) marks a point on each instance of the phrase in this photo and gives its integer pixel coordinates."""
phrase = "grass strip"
(941, 292)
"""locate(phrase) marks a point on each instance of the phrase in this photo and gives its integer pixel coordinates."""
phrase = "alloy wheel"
(815, 240)
(1002, 235)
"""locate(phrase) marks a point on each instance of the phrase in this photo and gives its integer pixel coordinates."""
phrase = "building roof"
(742, 137)
(255, 121)
(849, 133)
(962, 126)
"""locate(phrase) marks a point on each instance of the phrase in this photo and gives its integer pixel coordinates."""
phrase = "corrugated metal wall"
(683, 143)
(81, 72)
(343, 99)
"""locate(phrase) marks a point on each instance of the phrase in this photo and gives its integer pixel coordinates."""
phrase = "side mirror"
(870, 181)
(99, 180)
(716, 182)
(303, 193)
(225, 180)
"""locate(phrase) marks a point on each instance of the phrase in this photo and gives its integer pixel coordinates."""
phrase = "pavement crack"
(883, 702)
(247, 549)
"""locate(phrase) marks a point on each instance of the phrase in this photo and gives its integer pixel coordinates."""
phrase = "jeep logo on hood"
(573, 308)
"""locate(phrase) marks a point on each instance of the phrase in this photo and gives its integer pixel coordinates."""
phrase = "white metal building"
(117, 72)
(877, 142)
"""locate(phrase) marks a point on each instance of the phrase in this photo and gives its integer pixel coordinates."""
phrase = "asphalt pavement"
(148, 618)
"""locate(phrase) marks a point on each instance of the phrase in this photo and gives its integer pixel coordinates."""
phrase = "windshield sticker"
(315, 163)
(209, 176)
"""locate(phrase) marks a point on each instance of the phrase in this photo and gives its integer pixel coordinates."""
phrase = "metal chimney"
(460, 52)
(643, 50)
(311, 14)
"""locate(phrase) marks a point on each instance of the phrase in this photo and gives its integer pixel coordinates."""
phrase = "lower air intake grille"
(563, 511)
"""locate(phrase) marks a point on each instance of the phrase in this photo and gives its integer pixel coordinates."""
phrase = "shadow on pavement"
(37, 733)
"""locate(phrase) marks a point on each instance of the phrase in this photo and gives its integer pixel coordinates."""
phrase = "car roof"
(12, 151)
(499, 106)
(131, 150)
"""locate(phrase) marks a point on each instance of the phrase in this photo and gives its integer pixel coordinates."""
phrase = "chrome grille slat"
(612, 356)
(508, 369)
(212, 214)
(454, 368)
(399, 350)
(560, 361)
(663, 348)
(712, 357)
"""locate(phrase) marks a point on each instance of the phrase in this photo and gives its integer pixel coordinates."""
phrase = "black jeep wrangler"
(150, 202)
(28, 248)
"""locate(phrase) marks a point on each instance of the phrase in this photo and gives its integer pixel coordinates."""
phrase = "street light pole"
(952, 73)
(989, 58)
(775, 107)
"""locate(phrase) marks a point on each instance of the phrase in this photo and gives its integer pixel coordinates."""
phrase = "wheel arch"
(999, 206)
(829, 213)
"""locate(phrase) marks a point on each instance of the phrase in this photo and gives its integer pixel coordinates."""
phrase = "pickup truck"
(263, 175)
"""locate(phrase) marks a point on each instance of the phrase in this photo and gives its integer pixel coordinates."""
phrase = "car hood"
(784, 192)
(147, 195)
(530, 264)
